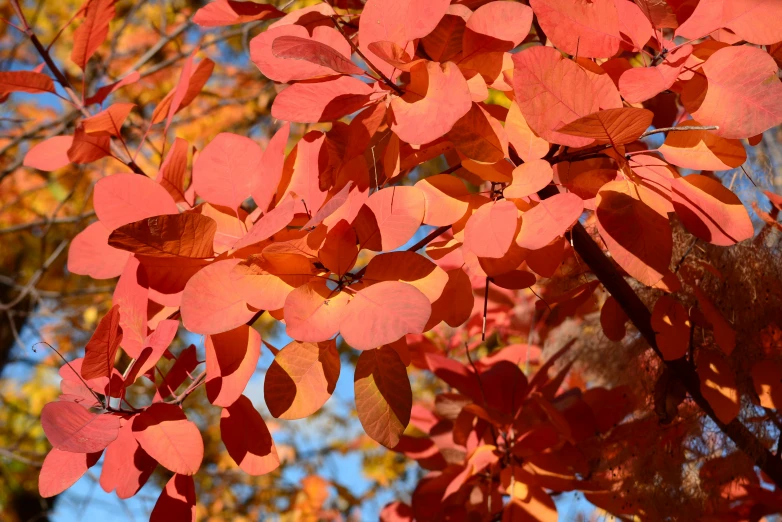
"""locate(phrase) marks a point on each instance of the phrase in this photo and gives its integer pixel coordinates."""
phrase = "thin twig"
(679, 129)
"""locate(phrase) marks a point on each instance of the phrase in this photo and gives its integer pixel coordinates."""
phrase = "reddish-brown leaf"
(231, 358)
(103, 92)
(163, 431)
(382, 313)
(102, 347)
(108, 122)
(92, 31)
(298, 48)
(614, 126)
(718, 384)
(710, 211)
(384, 398)
(174, 235)
(409, 267)
(613, 319)
(177, 501)
(479, 136)
(61, 470)
(247, 438)
(339, 250)
(767, 380)
(70, 427)
(671, 324)
(301, 379)
(86, 148)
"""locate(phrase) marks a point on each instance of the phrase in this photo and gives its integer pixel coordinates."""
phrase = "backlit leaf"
(549, 219)
(163, 431)
(177, 501)
(231, 358)
(702, 149)
(491, 229)
(102, 347)
(588, 29)
(61, 470)
(70, 427)
(92, 31)
(247, 438)
(614, 126)
(671, 324)
(125, 198)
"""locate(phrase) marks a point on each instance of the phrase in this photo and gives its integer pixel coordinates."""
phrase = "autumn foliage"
(454, 158)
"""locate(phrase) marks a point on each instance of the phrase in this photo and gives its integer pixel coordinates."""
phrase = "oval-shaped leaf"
(164, 432)
(70, 427)
(231, 358)
(247, 438)
(180, 235)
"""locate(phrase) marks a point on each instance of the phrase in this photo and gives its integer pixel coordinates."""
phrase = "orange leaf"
(265, 281)
(313, 312)
(382, 313)
(496, 26)
(220, 13)
(231, 358)
(86, 148)
(108, 122)
(642, 83)
(384, 398)
(588, 29)
(164, 432)
(395, 213)
(301, 379)
(528, 178)
(92, 31)
(614, 126)
(724, 334)
(90, 254)
(226, 171)
(549, 219)
(25, 81)
(247, 438)
(445, 199)
(552, 91)
(710, 211)
(718, 384)
(635, 232)
(321, 101)
(125, 198)
(188, 87)
(751, 20)
(479, 136)
(339, 250)
(671, 324)
(702, 149)
(528, 145)
(491, 229)
(410, 267)
(455, 303)
(126, 467)
(434, 100)
(50, 154)
(271, 168)
(171, 175)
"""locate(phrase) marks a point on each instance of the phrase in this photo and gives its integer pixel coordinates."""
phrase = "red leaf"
(671, 324)
(751, 20)
(455, 304)
(50, 154)
(313, 312)
(614, 126)
(384, 398)
(70, 427)
(108, 122)
(410, 267)
(247, 438)
(173, 236)
(102, 347)
(179, 372)
(90, 254)
(25, 81)
(131, 295)
(188, 87)
(226, 171)
(710, 211)
(302, 174)
(588, 29)
(701, 149)
(551, 92)
(163, 431)
(124, 198)
(210, 303)
(398, 21)
(496, 26)
(269, 224)
(177, 501)
(285, 69)
(154, 347)
(382, 313)
(491, 229)
(297, 48)
(126, 467)
(549, 219)
(635, 230)
(229, 12)
(103, 92)
(434, 100)
(301, 379)
(92, 31)
(742, 101)
(271, 168)
(231, 358)
(479, 136)
(171, 175)
(321, 101)
(528, 178)
(395, 213)
(61, 470)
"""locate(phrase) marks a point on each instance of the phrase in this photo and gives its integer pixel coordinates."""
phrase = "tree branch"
(679, 129)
